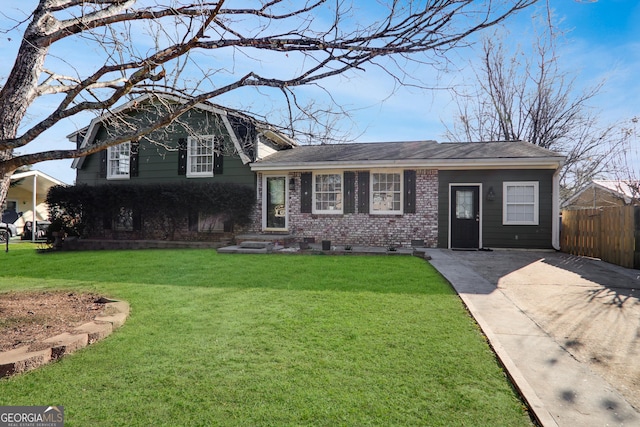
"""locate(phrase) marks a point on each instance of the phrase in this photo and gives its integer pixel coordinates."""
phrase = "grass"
(265, 340)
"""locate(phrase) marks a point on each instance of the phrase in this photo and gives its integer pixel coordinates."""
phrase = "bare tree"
(527, 97)
(192, 50)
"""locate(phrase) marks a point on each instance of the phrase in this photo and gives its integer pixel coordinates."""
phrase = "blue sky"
(602, 43)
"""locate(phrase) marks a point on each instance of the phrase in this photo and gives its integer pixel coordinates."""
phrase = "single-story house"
(449, 195)
(605, 193)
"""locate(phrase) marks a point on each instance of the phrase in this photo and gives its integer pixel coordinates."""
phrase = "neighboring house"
(605, 193)
(207, 144)
(450, 195)
(26, 198)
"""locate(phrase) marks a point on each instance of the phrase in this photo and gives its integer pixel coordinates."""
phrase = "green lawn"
(257, 340)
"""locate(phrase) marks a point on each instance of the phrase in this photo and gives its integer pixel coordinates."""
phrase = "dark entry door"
(465, 217)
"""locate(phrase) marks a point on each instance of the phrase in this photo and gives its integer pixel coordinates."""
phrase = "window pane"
(200, 155)
(386, 192)
(328, 192)
(464, 204)
(520, 203)
(118, 160)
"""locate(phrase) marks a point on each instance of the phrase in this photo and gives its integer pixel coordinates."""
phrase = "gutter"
(440, 164)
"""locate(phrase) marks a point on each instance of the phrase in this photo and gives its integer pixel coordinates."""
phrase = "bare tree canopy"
(519, 96)
(193, 50)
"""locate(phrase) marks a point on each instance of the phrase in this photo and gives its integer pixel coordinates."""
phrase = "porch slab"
(240, 250)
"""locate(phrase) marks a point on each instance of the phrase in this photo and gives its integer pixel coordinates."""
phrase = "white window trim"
(386, 171)
(110, 175)
(205, 174)
(313, 193)
(536, 202)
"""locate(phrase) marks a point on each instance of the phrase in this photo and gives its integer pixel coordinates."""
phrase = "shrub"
(85, 209)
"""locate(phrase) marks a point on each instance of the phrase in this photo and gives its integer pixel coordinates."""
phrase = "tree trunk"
(19, 90)
(5, 180)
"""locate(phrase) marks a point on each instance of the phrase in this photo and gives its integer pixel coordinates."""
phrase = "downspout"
(555, 211)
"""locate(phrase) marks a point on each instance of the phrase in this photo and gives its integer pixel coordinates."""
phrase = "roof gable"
(230, 118)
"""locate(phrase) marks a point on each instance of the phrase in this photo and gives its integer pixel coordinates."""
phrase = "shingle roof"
(407, 151)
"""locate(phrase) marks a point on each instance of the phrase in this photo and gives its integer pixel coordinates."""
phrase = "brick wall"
(363, 228)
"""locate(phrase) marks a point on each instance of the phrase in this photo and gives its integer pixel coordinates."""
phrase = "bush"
(83, 209)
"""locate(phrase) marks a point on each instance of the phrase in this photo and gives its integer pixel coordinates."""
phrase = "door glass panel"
(464, 204)
(276, 196)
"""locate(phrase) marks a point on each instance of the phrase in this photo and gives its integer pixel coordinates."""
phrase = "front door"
(465, 217)
(275, 203)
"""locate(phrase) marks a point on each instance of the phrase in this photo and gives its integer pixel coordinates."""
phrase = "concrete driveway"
(588, 308)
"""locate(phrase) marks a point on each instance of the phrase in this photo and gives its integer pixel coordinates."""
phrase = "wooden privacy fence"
(610, 234)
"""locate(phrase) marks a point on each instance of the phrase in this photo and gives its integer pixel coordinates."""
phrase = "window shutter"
(137, 221)
(349, 192)
(217, 163)
(409, 191)
(193, 220)
(363, 192)
(182, 156)
(106, 221)
(133, 158)
(103, 163)
(306, 192)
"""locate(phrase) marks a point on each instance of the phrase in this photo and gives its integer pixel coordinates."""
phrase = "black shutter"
(363, 192)
(182, 156)
(193, 220)
(137, 221)
(306, 192)
(133, 158)
(218, 159)
(102, 156)
(409, 191)
(107, 221)
(349, 192)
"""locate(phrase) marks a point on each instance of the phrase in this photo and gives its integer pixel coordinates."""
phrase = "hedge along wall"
(156, 211)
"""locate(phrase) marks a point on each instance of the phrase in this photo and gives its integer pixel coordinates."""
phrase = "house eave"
(440, 164)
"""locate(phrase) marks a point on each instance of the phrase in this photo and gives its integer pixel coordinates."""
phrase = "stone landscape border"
(28, 357)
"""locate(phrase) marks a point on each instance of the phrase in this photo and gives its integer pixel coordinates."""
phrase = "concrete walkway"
(561, 387)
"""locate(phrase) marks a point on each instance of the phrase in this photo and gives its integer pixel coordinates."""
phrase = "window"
(118, 160)
(208, 223)
(124, 219)
(386, 193)
(200, 153)
(327, 193)
(520, 203)
(464, 204)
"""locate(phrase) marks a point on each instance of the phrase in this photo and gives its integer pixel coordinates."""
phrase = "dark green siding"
(157, 163)
(494, 234)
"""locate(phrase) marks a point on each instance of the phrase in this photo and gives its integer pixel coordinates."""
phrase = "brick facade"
(364, 228)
